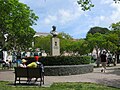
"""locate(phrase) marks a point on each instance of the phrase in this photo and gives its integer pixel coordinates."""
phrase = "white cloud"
(96, 21)
(106, 19)
(115, 16)
(115, 13)
(106, 1)
(47, 21)
(68, 16)
(102, 18)
(64, 16)
(50, 19)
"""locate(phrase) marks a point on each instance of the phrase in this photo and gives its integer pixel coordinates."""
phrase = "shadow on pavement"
(114, 71)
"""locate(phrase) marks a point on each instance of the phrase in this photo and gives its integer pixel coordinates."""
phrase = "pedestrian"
(9, 58)
(5, 54)
(6, 65)
(18, 58)
(114, 59)
(103, 57)
(109, 59)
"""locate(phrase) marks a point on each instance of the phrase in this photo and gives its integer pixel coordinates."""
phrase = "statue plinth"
(55, 46)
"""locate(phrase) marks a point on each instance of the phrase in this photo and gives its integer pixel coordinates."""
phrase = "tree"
(16, 20)
(101, 30)
(43, 42)
(82, 47)
(99, 42)
(87, 4)
(64, 35)
(115, 28)
(66, 43)
(101, 38)
(95, 41)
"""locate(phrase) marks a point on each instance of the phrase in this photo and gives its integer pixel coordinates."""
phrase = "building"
(41, 34)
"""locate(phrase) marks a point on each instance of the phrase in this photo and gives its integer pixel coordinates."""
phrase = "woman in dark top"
(103, 61)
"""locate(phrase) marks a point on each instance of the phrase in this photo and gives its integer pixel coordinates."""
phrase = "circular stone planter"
(68, 70)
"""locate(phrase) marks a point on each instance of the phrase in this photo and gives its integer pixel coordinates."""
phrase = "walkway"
(110, 78)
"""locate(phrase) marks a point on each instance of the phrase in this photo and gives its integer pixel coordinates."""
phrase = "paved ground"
(110, 78)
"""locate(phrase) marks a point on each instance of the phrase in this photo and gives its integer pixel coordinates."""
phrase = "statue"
(54, 32)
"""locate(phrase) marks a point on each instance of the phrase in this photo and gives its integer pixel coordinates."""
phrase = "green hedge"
(63, 60)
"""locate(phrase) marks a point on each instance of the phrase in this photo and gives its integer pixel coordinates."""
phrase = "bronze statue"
(54, 32)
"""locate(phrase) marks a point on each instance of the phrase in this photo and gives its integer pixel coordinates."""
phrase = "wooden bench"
(28, 73)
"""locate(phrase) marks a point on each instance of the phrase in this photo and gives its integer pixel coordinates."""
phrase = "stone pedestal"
(55, 46)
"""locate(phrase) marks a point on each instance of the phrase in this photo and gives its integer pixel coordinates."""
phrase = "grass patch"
(57, 86)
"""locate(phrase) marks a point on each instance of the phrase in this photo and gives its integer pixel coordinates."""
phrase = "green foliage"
(79, 46)
(108, 41)
(62, 60)
(66, 44)
(16, 19)
(58, 86)
(64, 35)
(98, 30)
(85, 4)
(95, 41)
(83, 47)
(43, 42)
(65, 60)
(116, 31)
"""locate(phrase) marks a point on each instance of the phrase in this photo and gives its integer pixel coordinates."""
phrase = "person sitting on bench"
(23, 64)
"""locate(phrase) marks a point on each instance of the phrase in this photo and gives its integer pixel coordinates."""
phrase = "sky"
(68, 17)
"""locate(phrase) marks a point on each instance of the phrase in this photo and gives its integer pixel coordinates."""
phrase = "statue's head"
(54, 28)
(54, 32)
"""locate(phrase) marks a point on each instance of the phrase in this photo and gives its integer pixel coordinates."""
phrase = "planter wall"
(67, 70)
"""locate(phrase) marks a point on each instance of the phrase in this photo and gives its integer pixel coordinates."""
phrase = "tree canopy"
(16, 20)
(87, 4)
(96, 29)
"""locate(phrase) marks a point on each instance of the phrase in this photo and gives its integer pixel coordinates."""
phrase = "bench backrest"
(21, 72)
(34, 72)
(28, 72)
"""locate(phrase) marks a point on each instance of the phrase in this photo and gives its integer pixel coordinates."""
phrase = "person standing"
(5, 54)
(9, 58)
(18, 58)
(114, 56)
(103, 57)
(109, 59)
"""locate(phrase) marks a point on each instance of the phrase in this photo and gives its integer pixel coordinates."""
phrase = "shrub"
(66, 60)
(63, 60)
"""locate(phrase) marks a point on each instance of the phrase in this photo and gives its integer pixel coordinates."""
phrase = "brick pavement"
(110, 78)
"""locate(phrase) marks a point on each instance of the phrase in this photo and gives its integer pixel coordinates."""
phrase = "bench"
(29, 73)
